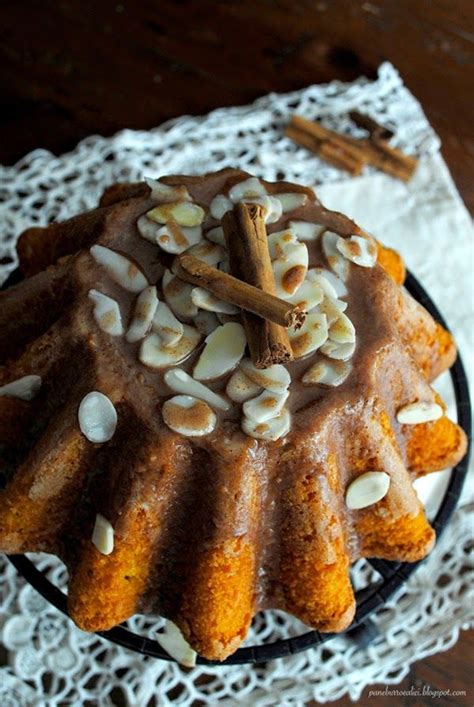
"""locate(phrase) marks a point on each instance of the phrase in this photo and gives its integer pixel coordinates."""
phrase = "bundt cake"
(215, 395)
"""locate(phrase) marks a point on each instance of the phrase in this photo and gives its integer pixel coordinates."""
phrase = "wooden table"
(70, 68)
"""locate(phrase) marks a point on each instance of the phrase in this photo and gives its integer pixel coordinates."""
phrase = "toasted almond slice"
(106, 313)
(210, 253)
(219, 206)
(206, 300)
(326, 372)
(181, 382)
(173, 238)
(174, 643)
(278, 241)
(25, 388)
(265, 406)
(166, 325)
(310, 336)
(307, 296)
(335, 260)
(342, 331)
(339, 352)
(188, 416)
(358, 250)
(103, 535)
(223, 350)
(269, 431)
(306, 231)
(367, 489)
(290, 269)
(419, 412)
(247, 189)
(164, 193)
(97, 417)
(184, 213)
(291, 200)
(147, 229)
(332, 308)
(271, 207)
(332, 285)
(177, 294)
(205, 322)
(154, 354)
(216, 235)
(240, 388)
(275, 378)
(122, 270)
(143, 313)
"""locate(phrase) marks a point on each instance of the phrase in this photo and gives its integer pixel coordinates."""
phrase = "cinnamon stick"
(247, 245)
(375, 130)
(235, 291)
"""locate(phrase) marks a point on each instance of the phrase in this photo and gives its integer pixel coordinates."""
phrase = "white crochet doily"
(49, 661)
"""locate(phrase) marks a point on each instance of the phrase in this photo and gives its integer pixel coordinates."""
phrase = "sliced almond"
(210, 253)
(271, 207)
(247, 189)
(107, 313)
(223, 350)
(205, 322)
(206, 300)
(174, 239)
(174, 643)
(25, 388)
(240, 388)
(291, 200)
(419, 412)
(184, 213)
(342, 331)
(122, 270)
(269, 431)
(143, 313)
(219, 206)
(358, 250)
(97, 417)
(310, 336)
(335, 260)
(177, 294)
(306, 231)
(339, 352)
(278, 241)
(325, 372)
(103, 535)
(275, 378)
(332, 285)
(216, 235)
(164, 193)
(265, 406)
(181, 382)
(147, 229)
(188, 416)
(367, 489)
(166, 325)
(290, 269)
(332, 308)
(307, 296)
(155, 354)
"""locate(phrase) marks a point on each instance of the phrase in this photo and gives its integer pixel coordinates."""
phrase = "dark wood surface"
(70, 68)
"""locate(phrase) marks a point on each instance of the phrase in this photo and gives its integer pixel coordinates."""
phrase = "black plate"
(369, 599)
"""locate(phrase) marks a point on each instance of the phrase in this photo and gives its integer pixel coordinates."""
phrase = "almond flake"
(332, 285)
(219, 206)
(122, 270)
(174, 643)
(184, 213)
(342, 331)
(332, 308)
(155, 354)
(419, 413)
(367, 489)
(268, 431)
(147, 229)
(216, 235)
(209, 253)
(107, 313)
(205, 322)
(330, 373)
(177, 294)
(240, 388)
(275, 378)
(278, 241)
(307, 296)
(340, 352)
(358, 250)
(188, 416)
(265, 406)
(306, 231)
(166, 325)
(290, 269)
(97, 417)
(103, 535)
(25, 388)
(247, 189)
(335, 260)
(206, 300)
(143, 313)
(291, 200)
(181, 382)
(164, 193)
(222, 352)
(175, 239)
(310, 336)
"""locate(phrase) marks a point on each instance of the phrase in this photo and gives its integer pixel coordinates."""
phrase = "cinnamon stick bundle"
(247, 244)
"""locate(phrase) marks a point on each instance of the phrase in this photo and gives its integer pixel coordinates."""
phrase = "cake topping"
(291, 200)
(154, 353)
(216, 235)
(222, 352)
(250, 188)
(164, 193)
(419, 412)
(367, 489)
(122, 270)
(275, 378)
(176, 239)
(335, 259)
(107, 313)
(269, 431)
(289, 268)
(177, 293)
(330, 283)
(166, 325)
(312, 335)
(25, 388)
(340, 352)
(206, 300)
(305, 230)
(145, 308)
(189, 416)
(326, 372)
(103, 535)
(219, 206)
(240, 388)
(183, 213)
(205, 322)
(210, 253)
(174, 643)
(97, 417)
(181, 382)
(342, 330)
(265, 406)
(358, 250)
